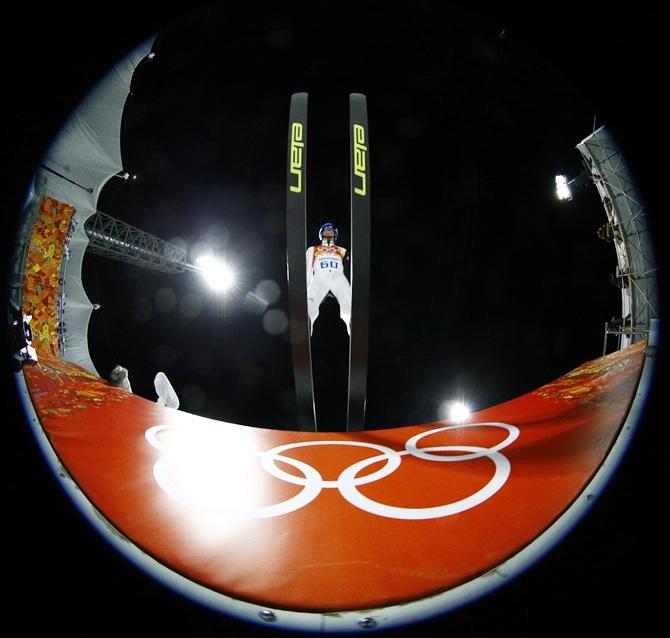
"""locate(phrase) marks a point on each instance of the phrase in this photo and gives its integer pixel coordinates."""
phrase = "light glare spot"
(268, 291)
(254, 304)
(562, 189)
(455, 411)
(459, 411)
(275, 321)
(217, 274)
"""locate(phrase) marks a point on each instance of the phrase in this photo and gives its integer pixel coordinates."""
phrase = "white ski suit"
(325, 273)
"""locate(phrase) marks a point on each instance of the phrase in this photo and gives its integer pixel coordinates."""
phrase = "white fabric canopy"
(83, 157)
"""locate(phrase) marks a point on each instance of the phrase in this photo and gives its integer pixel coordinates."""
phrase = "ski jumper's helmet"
(325, 227)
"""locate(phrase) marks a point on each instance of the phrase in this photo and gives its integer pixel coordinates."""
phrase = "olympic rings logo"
(211, 452)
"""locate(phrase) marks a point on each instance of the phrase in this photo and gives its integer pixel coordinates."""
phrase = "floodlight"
(455, 411)
(217, 274)
(459, 411)
(563, 191)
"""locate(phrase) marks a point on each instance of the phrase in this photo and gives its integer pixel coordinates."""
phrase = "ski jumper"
(325, 273)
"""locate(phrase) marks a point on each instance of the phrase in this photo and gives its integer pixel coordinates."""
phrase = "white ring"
(391, 455)
(311, 486)
(422, 453)
(310, 491)
(151, 435)
(350, 492)
(348, 481)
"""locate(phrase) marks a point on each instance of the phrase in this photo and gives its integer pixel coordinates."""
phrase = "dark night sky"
(474, 263)
(483, 285)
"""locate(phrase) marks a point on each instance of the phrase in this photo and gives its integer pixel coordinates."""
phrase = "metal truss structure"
(112, 238)
(628, 229)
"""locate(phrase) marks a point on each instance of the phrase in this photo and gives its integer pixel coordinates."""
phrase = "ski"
(360, 260)
(296, 242)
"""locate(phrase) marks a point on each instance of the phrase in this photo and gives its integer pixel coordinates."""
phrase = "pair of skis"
(296, 230)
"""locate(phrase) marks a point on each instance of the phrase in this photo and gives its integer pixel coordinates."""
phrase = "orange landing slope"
(329, 522)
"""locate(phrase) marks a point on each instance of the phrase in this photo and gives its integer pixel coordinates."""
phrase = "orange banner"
(41, 279)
